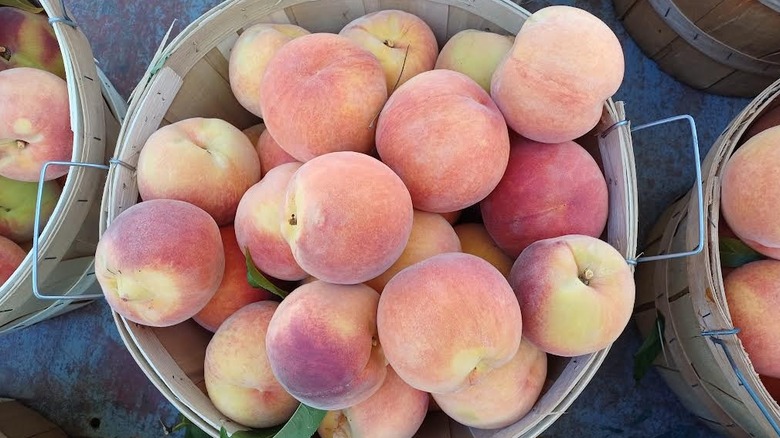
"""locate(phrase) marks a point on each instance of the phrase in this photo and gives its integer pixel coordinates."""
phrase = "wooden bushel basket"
(67, 243)
(188, 78)
(19, 421)
(703, 361)
(727, 47)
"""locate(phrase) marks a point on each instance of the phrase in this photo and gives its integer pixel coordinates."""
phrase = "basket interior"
(193, 82)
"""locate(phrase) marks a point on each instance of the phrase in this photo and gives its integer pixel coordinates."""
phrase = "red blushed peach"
(206, 162)
(548, 190)
(323, 346)
(160, 261)
(448, 321)
(11, 256)
(28, 40)
(234, 292)
(431, 235)
(347, 217)
(34, 124)
(403, 43)
(322, 93)
(474, 239)
(270, 153)
(749, 192)
(563, 65)
(576, 294)
(238, 376)
(503, 396)
(446, 163)
(249, 58)
(753, 295)
(395, 410)
(772, 386)
(257, 225)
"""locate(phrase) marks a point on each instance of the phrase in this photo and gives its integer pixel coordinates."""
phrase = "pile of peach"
(750, 193)
(354, 198)
(34, 128)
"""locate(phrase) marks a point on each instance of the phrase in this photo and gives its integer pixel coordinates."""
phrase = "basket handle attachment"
(699, 190)
(65, 19)
(37, 227)
(713, 335)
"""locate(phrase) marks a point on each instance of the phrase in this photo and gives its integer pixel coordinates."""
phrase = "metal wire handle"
(699, 189)
(36, 232)
(713, 335)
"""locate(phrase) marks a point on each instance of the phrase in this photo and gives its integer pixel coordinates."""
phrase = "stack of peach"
(355, 202)
(750, 192)
(34, 129)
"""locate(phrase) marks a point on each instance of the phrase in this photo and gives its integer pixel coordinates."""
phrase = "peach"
(772, 386)
(206, 162)
(475, 53)
(452, 216)
(11, 256)
(749, 192)
(258, 228)
(270, 153)
(446, 163)
(563, 65)
(474, 239)
(576, 293)
(160, 262)
(28, 40)
(347, 217)
(323, 347)
(404, 44)
(548, 190)
(257, 225)
(501, 397)
(253, 133)
(17, 207)
(249, 59)
(431, 235)
(395, 410)
(234, 292)
(753, 295)
(763, 122)
(238, 374)
(34, 124)
(322, 93)
(446, 322)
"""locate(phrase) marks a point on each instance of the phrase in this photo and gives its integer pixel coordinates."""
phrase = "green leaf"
(735, 253)
(190, 429)
(650, 349)
(303, 423)
(25, 5)
(257, 280)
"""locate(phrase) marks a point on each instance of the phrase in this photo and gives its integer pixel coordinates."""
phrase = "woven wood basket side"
(728, 47)
(175, 88)
(64, 249)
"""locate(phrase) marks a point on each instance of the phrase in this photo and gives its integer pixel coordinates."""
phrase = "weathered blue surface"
(75, 369)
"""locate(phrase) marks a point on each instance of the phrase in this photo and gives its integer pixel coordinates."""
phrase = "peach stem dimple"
(21, 144)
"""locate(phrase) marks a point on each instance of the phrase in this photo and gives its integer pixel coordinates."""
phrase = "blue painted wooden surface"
(75, 370)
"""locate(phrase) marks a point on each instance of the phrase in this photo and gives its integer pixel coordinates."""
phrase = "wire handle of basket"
(37, 227)
(713, 335)
(699, 184)
(65, 19)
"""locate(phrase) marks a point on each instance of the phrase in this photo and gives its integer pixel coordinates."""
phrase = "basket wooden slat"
(68, 241)
(728, 47)
(172, 357)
